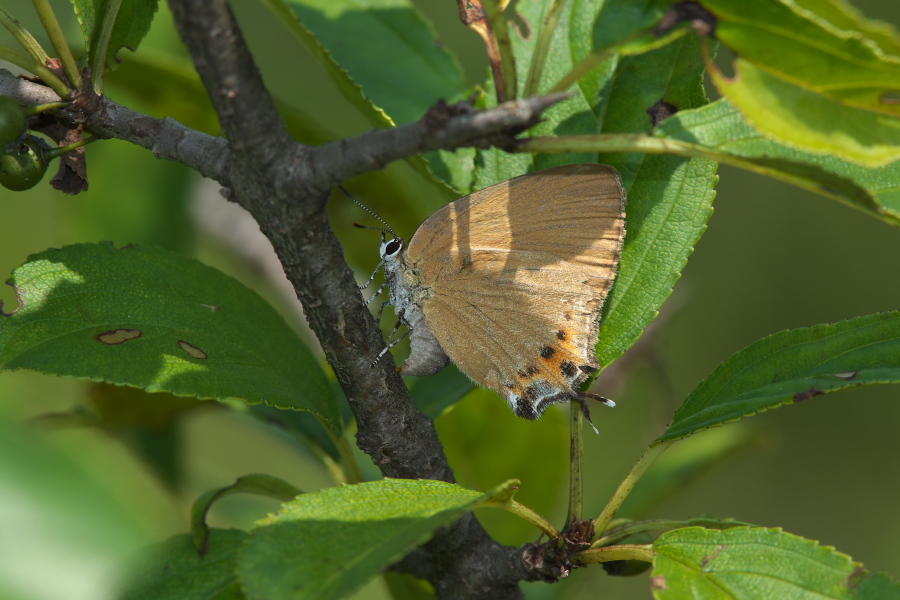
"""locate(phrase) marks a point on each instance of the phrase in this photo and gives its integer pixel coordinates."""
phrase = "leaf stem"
(39, 108)
(26, 62)
(100, 49)
(542, 47)
(520, 510)
(576, 465)
(58, 38)
(614, 142)
(624, 552)
(506, 69)
(637, 471)
(23, 36)
(54, 152)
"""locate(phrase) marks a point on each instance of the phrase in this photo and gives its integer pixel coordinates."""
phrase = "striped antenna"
(371, 212)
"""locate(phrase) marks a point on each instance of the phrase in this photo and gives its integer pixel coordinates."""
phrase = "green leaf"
(257, 483)
(811, 85)
(400, 47)
(808, 120)
(844, 16)
(156, 320)
(750, 562)
(669, 197)
(132, 24)
(619, 20)
(324, 545)
(720, 131)
(792, 366)
(174, 570)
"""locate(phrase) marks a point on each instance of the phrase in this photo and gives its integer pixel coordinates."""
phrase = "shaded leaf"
(750, 562)
(156, 320)
(619, 20)
(400, 47)
(326, 544)
(792, 366)
(174, 570)
(132, 23)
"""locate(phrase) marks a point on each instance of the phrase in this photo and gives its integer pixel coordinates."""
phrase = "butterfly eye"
(393, 247)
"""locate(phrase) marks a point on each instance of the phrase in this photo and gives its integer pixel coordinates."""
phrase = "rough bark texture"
(284, 185)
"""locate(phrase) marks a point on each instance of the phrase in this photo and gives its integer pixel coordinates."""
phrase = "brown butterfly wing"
(517, 274)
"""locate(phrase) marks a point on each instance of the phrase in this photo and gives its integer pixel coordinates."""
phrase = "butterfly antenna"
(370, 211)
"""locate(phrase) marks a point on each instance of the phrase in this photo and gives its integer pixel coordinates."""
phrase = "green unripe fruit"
(12, 121)
(23, 167)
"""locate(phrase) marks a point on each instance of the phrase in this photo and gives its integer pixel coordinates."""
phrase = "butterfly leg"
(582, 399)
(372, 278)
(390, 344)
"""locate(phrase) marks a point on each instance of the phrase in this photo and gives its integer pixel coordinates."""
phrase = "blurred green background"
(774, 257)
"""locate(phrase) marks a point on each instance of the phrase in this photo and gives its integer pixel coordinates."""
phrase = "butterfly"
(508, 283)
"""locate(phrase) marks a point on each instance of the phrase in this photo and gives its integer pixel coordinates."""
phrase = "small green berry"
(12, 121)
(23, 167)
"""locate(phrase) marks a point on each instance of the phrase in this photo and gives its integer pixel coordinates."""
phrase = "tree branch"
(284, 185)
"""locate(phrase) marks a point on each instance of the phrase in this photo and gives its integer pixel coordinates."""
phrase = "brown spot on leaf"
(711, 557)
(118, 336)
(193, 350)
(890, 97)
(807, 394)
(856, 577)
(658, 583)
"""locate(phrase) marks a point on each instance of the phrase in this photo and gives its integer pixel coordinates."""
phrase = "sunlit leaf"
(157, 320)
(751, 563)
(793, 366)
(326, 544)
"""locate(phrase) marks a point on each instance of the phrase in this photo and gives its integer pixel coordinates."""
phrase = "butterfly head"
(391, 249)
